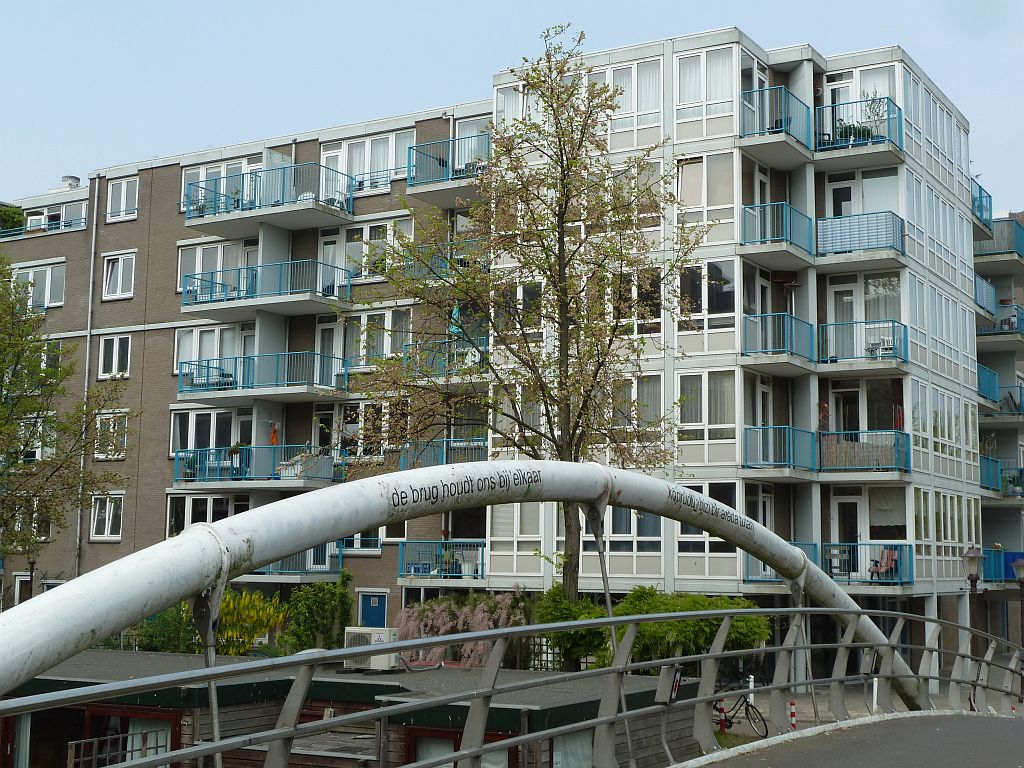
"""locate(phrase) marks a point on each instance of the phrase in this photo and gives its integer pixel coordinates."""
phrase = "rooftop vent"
(70, 182)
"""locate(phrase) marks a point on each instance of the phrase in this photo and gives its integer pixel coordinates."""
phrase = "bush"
(318, 615)
(573, 646)
(11, 217)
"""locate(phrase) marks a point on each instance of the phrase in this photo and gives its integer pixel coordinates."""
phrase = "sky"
(98, 83)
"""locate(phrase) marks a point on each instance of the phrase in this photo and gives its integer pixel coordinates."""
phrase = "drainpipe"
(88, 366)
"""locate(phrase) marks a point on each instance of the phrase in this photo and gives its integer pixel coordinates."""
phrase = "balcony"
(988, 383)
(1004, 332)
(1011, 479)
(451, 450)
(981, 207)
(778, 344)
(1008, 410)
(448, 559)
(448, 357)
(991, 473)
(875, 346)
(304, 287)
(854, 133)
(775, 127)
(293, 197)
(984, 294)
(1003, 254)
(869, 563)
(866, 237)
(755, 571)
(279, 376)
(777, 236)
(781, 447)
(283, 467)
(864, 451)
(440, 172)
(997, 567)
(46, 228)
(323, 561)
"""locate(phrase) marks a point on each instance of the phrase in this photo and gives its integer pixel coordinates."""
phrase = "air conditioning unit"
(360, 637)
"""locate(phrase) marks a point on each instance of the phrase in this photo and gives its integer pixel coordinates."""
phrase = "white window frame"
(237, 416)
(728, 106)
(246, 165)
(52, 297)
(237, 504)
(702, 537)
(704, 424)
(719, 214)
(359, 359)
(108, 502)
(199, 249)
(115, 372)
(120, 258)
(119, 428)
(193, 332)
(54, 218)
(631, 111)
(118, 192)
(368, 252)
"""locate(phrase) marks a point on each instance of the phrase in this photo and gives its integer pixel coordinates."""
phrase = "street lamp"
(973, 557)
(1018, 572)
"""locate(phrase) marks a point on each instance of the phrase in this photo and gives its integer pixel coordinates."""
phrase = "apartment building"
(830, 367)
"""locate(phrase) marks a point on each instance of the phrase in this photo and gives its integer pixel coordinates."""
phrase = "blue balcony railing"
(1011, 478)
(756, 571)
(984, 294)
(777, 223)
(447, 559)
(778, 334)
(998, 564)
(772, 111)
(863, 232)
(862, 340)
(47, 228)
(1009, 318)
(258, 462)
(437, 260)
(285, 278)
(448, 160)
(268, 188)
(361, 542)
(452, 450)
(1007, 237)
(981, 203)
(779, 447)
(988, 383)
(446, 357)
(323, 558)
(991, 473)
(861, 123)
(378, 181)
(1010, 400)
(880, 449)
(278, 369)
(868, 562)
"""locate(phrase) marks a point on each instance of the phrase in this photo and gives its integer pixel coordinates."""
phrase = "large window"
(122, 199)
(638, 404)
(705, 91)
(118, 275)
(637, 302)
(706, 195)
(115, 355)
(514, 537)
(637, 115)
(209, 428)
(212, 257)
(362, 250)
(707, 406)
(106, 517)
(56, 217)
(211, 342)
(183, 511)
(708, 295)
(225, 178)
(696, 541)
(44, 285)
(371, 161)
(363, 338)
(111, 435)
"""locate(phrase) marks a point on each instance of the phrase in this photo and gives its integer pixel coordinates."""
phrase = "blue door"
(373, 609)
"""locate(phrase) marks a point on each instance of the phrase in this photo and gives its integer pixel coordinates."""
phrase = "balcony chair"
(883, 347)
(886, 567)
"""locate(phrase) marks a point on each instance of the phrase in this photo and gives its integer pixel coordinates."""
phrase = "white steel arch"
(57, 624)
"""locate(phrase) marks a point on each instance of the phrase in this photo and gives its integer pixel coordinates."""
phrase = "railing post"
(837, 689)
(956, 675)
(703, 725)
(604, 735)
(279, 751)
(886, 669)
(476, 719)
(981, 681)
(1008, 681)
(777, 703)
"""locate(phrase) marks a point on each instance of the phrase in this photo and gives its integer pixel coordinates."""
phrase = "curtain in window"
(720, 180)
(719, 64)
(503, 521)
(721, 397)
(623, 79)
(690, 392)
(529, 518)
(379, 150)
(648, 396)
(689, 80)
(691, 183)
(882, 296)
(356, 158)
(648, 90)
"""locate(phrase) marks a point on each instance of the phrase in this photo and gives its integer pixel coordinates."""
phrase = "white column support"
(56, 625)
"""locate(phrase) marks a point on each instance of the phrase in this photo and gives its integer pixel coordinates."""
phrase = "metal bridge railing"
(980, 679)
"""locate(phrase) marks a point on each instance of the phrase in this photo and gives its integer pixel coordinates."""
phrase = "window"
(210, 428)
(638, 403)
(705, 89)
(363, 338)
(371, 161)
(115, 352)
(106, 517)
(211, 342)
(44, 285)
(696, 541)
(708, 296)
(122, 199)
(707, 409)
(213, 257)
(366, 247)
(514, 537)
(118, 276)
(111, 435)
(638, 105)
(54, 218)
(224, 178)
(706, 195)
(36, 442)
(183, 511)
(637, 302)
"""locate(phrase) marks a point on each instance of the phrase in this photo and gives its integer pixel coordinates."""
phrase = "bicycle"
(751, 714)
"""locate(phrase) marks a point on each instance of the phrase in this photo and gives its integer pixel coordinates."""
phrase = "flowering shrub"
(452, 614)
